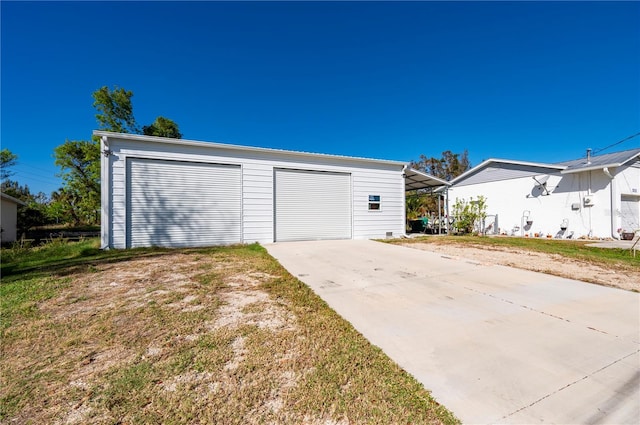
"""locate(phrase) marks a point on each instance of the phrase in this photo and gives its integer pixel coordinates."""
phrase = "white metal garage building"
(173, 192)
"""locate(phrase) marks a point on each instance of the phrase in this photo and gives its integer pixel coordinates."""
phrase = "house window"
(374, 202)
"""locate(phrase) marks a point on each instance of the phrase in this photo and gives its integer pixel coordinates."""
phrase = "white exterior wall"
(510, 198)
(627, 184)
(367, 178)
(9, 221)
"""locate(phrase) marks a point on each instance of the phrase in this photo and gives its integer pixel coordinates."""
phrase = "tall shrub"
(469, 215)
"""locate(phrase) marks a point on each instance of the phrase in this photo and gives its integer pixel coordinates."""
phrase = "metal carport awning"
(416, 180)
(426, 183)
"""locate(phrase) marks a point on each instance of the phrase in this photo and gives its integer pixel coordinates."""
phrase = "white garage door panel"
(312, 205)
(172, 203)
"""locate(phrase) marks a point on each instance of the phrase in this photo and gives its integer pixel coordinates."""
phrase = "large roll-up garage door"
(311, 205)
(177, 204)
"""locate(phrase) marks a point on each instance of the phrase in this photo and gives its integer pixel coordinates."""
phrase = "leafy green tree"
(58, 210)
(7, 160)
(64, 208)
(162, 127)
(417, 205)
(79, 200)
(30, 216)
(115, 110)
(80, 164)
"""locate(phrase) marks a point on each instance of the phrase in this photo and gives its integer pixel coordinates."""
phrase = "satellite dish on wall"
(542, 182)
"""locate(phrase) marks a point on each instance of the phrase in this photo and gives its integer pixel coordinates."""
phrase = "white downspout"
(614, 231)
(105, 189)
(590, 209)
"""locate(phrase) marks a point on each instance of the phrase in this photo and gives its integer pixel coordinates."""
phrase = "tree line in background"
(36, 210)
(77, 202)
(449, 166)
(466, 216)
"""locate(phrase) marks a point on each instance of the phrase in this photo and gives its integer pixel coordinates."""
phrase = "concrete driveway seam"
(570, 384)
(526, 307)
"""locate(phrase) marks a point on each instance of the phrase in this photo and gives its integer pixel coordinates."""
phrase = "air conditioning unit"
(588, 201)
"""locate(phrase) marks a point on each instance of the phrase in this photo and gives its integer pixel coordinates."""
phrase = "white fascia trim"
(631, 158)
(592, 168)
(184, 142)
(505, 161)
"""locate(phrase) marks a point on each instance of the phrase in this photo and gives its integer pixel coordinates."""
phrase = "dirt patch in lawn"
(624, 278)
(124, 322)
(217, 336)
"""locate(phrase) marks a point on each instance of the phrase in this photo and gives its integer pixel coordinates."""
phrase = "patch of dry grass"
(571, 259)
(221, 335)
(568, 248)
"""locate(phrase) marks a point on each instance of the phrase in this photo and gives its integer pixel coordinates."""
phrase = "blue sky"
(535, 81)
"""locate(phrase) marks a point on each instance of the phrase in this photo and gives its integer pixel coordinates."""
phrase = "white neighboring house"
(595, 196)
(172, 192)
(9, 217)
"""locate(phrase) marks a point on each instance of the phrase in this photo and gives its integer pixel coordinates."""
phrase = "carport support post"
(439, 213)
(446, 203)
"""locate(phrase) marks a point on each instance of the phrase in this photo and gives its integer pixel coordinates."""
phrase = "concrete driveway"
(494, 344)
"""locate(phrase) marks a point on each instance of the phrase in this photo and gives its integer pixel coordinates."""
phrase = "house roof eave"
(592, 168)
(487, 162)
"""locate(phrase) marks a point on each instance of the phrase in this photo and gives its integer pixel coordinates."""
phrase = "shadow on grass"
(86, 259)
(67, 258)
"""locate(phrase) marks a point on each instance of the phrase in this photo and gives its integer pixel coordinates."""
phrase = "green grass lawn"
(215, 335)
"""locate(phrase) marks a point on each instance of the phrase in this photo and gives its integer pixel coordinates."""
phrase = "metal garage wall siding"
(172, 203)
(257, 204)
(389, 185)
(258, 194)
(312, 205)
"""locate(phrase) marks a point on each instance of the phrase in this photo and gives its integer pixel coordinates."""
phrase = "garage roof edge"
(12, 199)
(186, 142)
